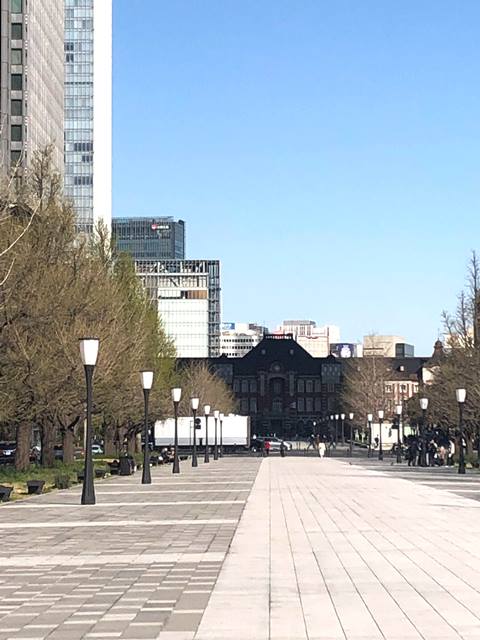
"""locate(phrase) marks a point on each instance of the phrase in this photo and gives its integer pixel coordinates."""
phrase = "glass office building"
(150, 238)
(187, 295)
(88, 112)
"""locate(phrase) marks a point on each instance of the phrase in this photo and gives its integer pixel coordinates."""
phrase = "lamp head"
(342, 416)
(194, 402)
(147, 379)
(222, 416)
(399, 409)
(351, 416)
(336, 416)
(176, 394)
(381, 413)
(370, 417)
(423, 404)
(206, 409)
(461, 395)
(216, 414)
(89, 351)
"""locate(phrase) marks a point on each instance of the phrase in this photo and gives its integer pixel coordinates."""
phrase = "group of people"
(432, 452)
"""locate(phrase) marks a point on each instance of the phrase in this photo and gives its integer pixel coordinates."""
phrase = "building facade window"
(244, 386)
(253, 405)
(17, 82)
(16, 108)
(17, 31)
(15, 157)
(301, 405)
(16, 133)
(309, 386)
(301, 386)
(16, 6)
(253, 386)
(277, 406)
(309, 405)
(17, 56)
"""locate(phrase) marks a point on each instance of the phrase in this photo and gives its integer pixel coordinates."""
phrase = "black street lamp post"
(342, 418)
(350, 417)
(399, 411)
(206, 410)
(337, 418)
(216, 415)
(222, 416)
(89, 353)
(194, 402)
(370, 420)
(423, 432)
(380, 443)
(147, 382)
(176, 397)
(461, 395)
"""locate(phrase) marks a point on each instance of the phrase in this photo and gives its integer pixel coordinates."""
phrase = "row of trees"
(365, 378)
(57, 287)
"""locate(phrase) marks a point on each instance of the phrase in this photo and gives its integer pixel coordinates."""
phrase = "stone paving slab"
(135, 565)
(328, 550)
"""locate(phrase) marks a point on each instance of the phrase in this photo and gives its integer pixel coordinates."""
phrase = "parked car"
(7, 448)
(257, 444)
(97, 449)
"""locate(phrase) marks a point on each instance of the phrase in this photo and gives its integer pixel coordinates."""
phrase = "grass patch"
(18, 479)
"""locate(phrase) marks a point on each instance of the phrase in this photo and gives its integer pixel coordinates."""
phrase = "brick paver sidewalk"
(326, 550)
(140, 564)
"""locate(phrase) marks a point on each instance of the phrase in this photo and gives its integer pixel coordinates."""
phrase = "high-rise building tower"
(150, 238)
(88, 110)
(31, 80)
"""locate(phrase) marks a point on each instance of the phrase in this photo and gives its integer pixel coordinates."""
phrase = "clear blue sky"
(328, 153)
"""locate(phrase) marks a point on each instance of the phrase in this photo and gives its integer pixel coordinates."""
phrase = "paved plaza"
(248, 549)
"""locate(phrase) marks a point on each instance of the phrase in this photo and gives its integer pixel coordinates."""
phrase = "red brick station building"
(288, 392)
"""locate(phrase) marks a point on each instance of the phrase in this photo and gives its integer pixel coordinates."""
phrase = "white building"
(187, 294)
(88, 110)
(315, 340)
(238, 338)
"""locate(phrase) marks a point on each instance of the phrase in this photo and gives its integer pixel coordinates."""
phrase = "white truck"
(235, 431)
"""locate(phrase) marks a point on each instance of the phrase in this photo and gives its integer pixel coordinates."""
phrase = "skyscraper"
(31, 80)
(88, 110)
(150, 238)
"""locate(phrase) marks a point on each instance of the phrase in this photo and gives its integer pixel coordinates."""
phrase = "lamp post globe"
(221, 417)
(423, 432)
(461, 395)
(88, 353)
(206, 411)
(146, 378)
(216, 415)
(381, 414)
(350, 448)
(176, 397)
(399, 411)
(369, 420)
(194, 402)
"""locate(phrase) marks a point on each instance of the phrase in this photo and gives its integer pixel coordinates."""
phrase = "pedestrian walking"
(321, 449)
(282, 449)
(267, 447)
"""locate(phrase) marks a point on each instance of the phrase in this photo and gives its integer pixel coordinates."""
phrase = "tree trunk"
(109, 445)
(22, 453)
(47, 435)
(68, 446)
(131, 443)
